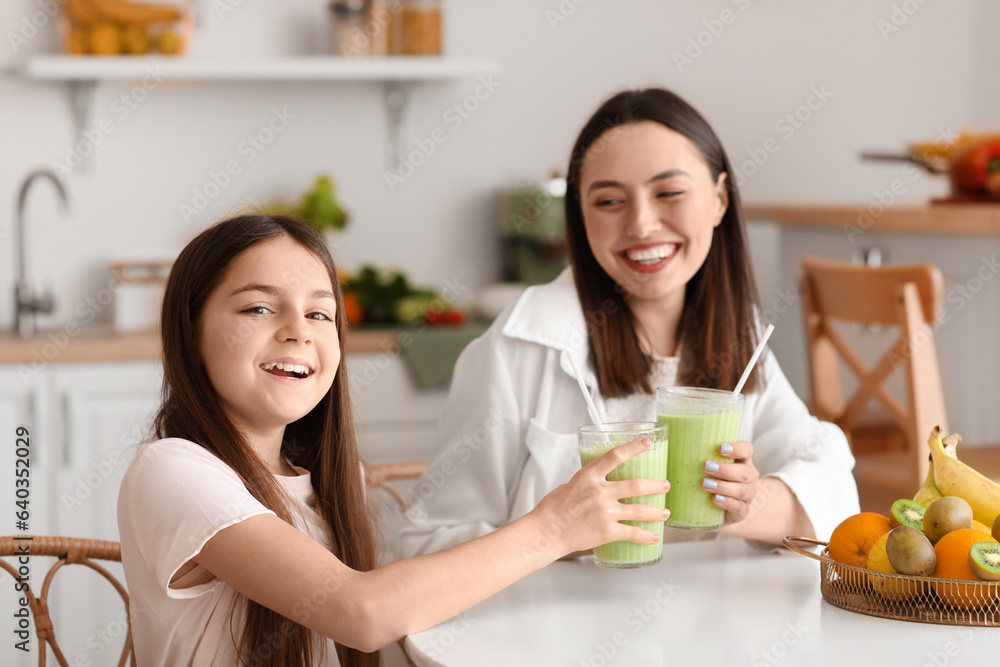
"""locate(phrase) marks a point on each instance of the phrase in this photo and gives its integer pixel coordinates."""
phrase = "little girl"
(245, 537)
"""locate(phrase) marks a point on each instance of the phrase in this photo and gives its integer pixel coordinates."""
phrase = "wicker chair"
(68, 551)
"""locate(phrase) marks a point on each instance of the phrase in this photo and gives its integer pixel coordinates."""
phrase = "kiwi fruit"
(945, 515)
(984, 560)
(905, 512)
(910, 552)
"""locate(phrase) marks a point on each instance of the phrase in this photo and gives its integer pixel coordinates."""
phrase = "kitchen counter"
(107, 346)
(951, 219)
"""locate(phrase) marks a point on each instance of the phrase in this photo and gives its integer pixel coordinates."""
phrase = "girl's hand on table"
(733, 485)
(585, 512)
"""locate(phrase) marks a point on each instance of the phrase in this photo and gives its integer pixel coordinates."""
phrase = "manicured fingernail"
(726, 448)
(666, 514)
(720, 498)
(709, 484)
(656, 538)
(711, 466)
(646, 442)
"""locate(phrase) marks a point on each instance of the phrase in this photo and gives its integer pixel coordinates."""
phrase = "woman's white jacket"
(508, 433)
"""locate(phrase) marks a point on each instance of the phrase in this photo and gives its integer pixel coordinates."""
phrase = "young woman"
(245, 538)
(660, 293)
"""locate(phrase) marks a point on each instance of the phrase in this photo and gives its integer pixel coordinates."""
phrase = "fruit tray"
(902, 597)
(126, 27)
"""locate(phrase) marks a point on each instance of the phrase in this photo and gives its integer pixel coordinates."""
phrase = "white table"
(711, 603)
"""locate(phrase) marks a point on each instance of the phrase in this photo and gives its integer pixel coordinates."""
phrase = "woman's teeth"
(651, 255)
(299, 369)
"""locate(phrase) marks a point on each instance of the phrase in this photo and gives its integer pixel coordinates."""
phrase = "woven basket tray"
(903, 597)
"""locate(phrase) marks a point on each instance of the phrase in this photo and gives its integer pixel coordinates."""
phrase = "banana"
(121, 11)
(928, 491)
(954, 478)
(81, 13)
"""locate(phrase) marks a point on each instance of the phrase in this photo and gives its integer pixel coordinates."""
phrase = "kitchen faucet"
(27, 302)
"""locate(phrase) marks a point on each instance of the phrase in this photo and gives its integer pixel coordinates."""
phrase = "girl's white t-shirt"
(174, 497)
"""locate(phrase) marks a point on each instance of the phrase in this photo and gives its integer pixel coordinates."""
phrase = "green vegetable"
(380, 293)
(319, 206)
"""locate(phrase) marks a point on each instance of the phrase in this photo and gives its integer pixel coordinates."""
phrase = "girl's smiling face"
(650, 207)
(275, 306)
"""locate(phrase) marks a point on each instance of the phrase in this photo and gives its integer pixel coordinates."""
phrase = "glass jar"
(422, 27)
(385, 23)
(350, 18)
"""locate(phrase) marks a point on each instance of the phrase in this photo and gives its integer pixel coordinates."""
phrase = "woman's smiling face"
(275, 306)
(650, 207)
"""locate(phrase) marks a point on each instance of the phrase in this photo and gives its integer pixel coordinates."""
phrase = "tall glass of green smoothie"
(700, 420)
(598, 439)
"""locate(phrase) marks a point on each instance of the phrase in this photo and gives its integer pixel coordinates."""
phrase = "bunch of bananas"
(948, 476)
(116, 27)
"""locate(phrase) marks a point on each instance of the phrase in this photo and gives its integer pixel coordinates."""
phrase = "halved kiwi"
(905, 512)
(984, 560)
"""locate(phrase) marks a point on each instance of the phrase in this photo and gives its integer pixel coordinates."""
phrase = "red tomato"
(973, 168)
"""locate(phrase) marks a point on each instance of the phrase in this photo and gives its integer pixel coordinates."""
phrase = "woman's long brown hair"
(322, 442)
(717, 332)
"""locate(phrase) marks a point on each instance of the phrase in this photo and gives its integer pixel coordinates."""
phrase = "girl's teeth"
(301, 369)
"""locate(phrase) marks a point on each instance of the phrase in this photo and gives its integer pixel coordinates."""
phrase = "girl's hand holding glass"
(586, 510)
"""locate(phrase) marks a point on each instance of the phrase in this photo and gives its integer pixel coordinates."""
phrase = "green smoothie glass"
(597, 439)
(700, 420)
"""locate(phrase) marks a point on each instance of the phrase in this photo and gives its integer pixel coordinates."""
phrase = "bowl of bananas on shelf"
(125, 27)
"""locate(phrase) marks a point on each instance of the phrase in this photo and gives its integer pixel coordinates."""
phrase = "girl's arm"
(276, 565)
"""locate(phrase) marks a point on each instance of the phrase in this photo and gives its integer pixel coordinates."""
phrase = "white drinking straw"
(583, 388)
(753, 359)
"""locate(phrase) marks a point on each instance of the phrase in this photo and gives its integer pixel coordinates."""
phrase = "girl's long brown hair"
(322, 442)
(717, 332)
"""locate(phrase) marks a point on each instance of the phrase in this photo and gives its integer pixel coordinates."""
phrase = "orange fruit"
(353, 311)
(953, 563)
(105, 40)
(78, 41)
(852, 540)
(135, 41)
(890, 588)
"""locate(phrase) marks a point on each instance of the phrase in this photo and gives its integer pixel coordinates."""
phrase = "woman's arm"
(809, 457)
(757, 508)
(276, 565)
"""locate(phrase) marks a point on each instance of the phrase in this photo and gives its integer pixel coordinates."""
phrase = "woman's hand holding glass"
(734, 485)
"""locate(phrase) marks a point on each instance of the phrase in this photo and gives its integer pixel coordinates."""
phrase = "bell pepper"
(975, 168)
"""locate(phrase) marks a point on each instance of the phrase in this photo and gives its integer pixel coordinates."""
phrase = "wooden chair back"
(68, 551)
(907, 296)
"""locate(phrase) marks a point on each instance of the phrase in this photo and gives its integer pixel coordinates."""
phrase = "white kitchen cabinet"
(967, 352)
(395, 420)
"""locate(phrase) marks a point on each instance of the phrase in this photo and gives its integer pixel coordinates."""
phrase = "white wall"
(936, 71)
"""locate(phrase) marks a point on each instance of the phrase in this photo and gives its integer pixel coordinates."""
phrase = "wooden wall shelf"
(948, 219)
